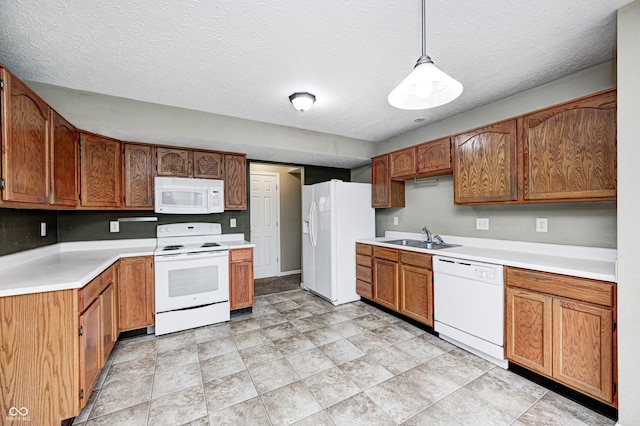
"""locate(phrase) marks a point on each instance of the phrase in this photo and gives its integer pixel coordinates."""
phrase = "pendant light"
(427, 86)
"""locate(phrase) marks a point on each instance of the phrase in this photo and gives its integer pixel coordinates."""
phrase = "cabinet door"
(403, 163)
(434, 158)
(100, 171)
(583, 348)
(485, 164)
(384, 191)
(385, 283)
(241, 278)
(138, 176)
(109, 320)
(64, 160)
(174, 162)
(416, 293)
(570, 150)
(136, 293)
(26, 130)
(235, 182)
(207, 165)
(90, 350)
(529, 330)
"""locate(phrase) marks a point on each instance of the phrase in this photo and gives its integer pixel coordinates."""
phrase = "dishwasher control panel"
(483, 273)
(472, 270)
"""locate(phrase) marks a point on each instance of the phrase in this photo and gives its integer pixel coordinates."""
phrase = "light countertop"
(584, 262)
(73, 265)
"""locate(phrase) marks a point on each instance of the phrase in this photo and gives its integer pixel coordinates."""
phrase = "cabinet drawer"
(363, 273)
(241, 255)
(416, 259)
(384, 253)
(586, 290)
(108, 277)
(364, 260)
(364, 249)
(88, 294)
(364, 289)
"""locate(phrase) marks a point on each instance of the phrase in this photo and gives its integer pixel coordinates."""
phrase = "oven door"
(191, 279)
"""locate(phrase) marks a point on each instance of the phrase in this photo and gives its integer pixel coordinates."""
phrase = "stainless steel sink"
(422, 244)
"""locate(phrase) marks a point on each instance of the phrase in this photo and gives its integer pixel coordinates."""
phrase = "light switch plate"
(541, 224)
(43, 229)
(482, 223)
(114, 226)
(395, 220)
(232, 223)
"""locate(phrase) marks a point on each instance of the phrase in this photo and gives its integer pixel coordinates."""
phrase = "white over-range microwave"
(188, 196)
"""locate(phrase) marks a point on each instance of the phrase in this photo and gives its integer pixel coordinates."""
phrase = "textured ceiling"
(243, 58)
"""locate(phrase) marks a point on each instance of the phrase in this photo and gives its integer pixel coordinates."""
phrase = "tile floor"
(299, 360)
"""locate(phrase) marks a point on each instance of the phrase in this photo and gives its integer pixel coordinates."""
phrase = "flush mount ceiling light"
(302, 101)
(427, 86)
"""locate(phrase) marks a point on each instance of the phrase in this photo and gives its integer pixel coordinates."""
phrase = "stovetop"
(177, 238)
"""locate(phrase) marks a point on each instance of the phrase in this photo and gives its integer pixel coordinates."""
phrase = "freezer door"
(308, 256)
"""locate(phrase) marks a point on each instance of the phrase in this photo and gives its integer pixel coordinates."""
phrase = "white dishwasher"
(469, 306)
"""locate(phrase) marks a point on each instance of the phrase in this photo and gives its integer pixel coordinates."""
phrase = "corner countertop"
(73, 265)
(585, 262)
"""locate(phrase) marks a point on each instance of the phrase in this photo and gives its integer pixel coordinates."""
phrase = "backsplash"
(592, 224)
(76, 225)
(20, 229)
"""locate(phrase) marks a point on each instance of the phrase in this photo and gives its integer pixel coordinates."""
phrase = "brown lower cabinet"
(564, 328)
(396, 279)
(137, 308)
(241, 278)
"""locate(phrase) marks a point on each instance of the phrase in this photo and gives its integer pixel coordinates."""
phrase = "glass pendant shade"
(426, 87)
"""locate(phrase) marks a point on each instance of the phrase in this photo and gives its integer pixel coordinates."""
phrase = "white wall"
(132, 120)
(628, 207)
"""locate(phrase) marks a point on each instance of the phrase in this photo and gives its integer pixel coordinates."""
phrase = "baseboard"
(295, 271)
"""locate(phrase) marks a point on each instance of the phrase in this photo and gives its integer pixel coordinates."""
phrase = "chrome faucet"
(426, 231)
(432, 237)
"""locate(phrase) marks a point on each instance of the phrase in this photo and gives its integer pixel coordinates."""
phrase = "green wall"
(20, 229)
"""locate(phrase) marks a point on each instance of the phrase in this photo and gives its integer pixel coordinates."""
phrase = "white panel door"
(265, 230)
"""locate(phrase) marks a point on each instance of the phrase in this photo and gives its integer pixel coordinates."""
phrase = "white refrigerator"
(335, 214)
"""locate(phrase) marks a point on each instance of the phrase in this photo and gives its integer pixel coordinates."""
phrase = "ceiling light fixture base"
(302, 101)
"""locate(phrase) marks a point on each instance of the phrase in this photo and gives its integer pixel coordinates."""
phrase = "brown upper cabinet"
(26, 131)
(384, 191)
(64, 161)
(403, 163)
(235, 182)
(569, 151)
(174, 162)
(485, 164)
(100, 171)
(138, 176)
(207, 165)
(434, 158)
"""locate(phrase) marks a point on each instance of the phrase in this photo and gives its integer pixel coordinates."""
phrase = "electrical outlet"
(395, 220)
(482, 223)
(114, 226)
(541, 224)
(43, 229)
(232, 223)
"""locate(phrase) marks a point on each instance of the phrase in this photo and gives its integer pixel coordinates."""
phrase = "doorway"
(265, 227)
(284, 258)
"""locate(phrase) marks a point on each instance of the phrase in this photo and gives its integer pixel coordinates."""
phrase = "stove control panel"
(188, 229)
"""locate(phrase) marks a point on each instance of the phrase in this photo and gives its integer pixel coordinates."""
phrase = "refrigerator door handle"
(312, 219)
